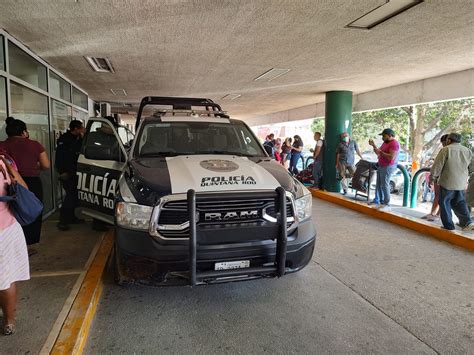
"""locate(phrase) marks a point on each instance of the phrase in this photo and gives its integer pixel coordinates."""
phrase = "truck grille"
(173, 216)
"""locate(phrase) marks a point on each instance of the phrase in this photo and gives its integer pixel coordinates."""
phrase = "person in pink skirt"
(14, 265)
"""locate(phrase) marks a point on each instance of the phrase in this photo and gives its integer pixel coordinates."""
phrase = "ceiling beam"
(441, 88)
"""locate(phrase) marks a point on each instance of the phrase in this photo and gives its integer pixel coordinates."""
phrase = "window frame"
(33, 60)
(61, 80)
(3, 59)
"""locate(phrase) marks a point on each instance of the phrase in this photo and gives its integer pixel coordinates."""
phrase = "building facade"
(33, 91)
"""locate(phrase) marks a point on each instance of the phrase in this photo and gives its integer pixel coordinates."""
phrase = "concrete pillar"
(338, 120)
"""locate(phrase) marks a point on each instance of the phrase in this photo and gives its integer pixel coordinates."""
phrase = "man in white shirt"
(451, 172)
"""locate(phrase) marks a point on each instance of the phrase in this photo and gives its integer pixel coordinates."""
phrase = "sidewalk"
(44, 300)
(421, 210)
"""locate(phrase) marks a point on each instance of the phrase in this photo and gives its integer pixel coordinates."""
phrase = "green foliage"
(440, 117)
(367, 125)
(457, 118)
(437, 119)
(318, 125)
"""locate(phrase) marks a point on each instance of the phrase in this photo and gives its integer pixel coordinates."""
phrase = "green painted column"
(338, 120)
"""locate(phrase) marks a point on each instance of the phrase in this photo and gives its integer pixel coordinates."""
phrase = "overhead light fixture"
(383, 13)
(231, 97)
(272, 74)
(101, 65)
(118, 92)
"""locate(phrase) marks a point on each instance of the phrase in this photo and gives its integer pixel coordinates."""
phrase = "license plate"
(230, 265)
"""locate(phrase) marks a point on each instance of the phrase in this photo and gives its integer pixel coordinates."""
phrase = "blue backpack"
(24, 205)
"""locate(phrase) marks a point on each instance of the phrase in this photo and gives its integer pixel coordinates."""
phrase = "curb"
(404, 221)
(75, 330)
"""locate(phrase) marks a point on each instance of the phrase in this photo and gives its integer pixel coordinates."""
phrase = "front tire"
(118, 276)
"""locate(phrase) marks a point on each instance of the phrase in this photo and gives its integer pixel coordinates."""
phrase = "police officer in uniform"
(67, 152)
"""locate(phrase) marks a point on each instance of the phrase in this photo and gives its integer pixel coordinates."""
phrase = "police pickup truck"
(193, 196)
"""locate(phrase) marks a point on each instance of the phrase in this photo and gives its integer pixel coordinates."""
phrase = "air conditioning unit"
(105, 109)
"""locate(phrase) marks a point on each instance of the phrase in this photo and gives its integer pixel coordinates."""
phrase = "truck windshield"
(188, 138)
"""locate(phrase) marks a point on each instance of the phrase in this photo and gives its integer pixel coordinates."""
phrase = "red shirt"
(389, 147)
(26, 154)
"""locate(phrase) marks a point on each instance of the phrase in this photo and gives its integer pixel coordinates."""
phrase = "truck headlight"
(133, 216)
(303, 207)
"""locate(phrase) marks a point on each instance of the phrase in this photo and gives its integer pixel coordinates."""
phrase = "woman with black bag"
(14, 265)
(30, 157)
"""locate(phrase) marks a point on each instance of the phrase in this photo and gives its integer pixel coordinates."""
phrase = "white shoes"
(385, 208)
(469, 227)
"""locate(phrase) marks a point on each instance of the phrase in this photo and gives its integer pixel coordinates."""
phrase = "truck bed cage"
(277, 269)
(181, 105)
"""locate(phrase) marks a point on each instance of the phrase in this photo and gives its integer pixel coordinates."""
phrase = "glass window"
(125, 135)
(59, 87)
(80, 115)
(26, 68)
(79, 98)
(176, 138)
(32, 108)
(3, 107)
(2, 55)
(61, 115)
(101, 143)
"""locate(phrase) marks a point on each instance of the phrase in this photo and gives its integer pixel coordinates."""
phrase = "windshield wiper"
(223, 152)
(158, 154)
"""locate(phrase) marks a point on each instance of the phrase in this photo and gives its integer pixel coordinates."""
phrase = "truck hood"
(207, 173)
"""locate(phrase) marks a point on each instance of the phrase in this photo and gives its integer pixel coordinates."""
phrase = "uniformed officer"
(67, 152)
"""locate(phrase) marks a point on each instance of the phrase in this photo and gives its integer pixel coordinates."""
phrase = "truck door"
(102, 159)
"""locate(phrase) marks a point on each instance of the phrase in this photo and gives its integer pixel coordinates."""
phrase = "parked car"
(404, 157)
(396, 182)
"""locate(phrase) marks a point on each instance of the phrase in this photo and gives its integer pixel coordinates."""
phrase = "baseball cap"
(388, 131)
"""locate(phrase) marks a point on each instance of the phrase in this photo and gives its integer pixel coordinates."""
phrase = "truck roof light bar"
(180, 103)
(163, 112)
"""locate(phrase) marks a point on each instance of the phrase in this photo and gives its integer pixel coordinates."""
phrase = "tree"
(429, 122)
(318, 125)
(368, 125)
(418, 127)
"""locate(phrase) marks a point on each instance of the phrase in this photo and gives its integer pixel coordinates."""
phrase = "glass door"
(32, 108)
(61, 115)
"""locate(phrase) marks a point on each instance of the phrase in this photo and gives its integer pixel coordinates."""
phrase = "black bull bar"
(278, 269)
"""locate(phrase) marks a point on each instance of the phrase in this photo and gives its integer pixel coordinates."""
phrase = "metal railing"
(414, 186)
(406, 184)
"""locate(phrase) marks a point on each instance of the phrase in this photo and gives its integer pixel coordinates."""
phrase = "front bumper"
(144, 260)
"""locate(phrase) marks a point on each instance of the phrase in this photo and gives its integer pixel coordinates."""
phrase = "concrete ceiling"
(216, 47)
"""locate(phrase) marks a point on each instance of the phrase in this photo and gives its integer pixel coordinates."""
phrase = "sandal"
(9, 329)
